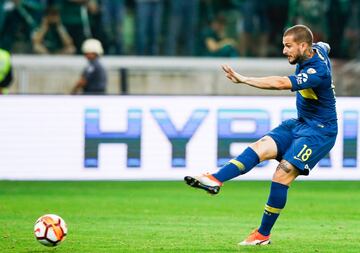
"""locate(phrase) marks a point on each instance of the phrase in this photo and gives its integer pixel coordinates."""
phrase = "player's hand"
(232, 75)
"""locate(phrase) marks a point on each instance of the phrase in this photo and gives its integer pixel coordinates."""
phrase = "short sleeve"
(309, 78)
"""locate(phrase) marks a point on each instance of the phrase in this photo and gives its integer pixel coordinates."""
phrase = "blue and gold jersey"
(315, 98)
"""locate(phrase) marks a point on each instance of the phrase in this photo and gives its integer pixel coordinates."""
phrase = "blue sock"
(275, 204)
(238, 166)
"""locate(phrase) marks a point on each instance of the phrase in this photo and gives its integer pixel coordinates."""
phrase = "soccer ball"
(50, 230)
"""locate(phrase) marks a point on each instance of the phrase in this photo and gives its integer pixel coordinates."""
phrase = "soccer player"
(298, 144)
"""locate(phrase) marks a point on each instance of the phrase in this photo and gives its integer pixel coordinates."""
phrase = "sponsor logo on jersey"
(302, 78)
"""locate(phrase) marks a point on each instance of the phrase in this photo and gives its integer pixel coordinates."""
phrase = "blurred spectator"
(5, 71)
(142, 31)
(209, 9)
(275, 12)
(75, 18)
(51, 37)
(337, 16)
(18, 24)
(93, 80)
(148, 26)
(129, 29)
(215, 42)
(113, 13)
(2, 14)
(183, 21)
(254, 39)
(311, 13)
(94, 13)
(351, 42)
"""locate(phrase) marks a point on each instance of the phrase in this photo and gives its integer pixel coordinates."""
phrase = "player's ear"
(303, 46)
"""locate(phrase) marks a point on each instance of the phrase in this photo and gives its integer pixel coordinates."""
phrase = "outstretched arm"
(269, 82)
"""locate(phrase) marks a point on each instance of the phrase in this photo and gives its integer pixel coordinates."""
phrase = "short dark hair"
(301, 33)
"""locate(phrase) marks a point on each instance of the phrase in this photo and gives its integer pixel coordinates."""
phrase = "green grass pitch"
(122, 216)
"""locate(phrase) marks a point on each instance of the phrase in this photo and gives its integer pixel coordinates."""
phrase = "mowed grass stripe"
(121, 216)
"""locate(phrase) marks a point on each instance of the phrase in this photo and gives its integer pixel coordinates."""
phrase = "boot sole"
(196, 184)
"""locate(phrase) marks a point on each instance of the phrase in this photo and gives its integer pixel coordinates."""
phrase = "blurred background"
(158, 107)
(155, 52)
(166, 46)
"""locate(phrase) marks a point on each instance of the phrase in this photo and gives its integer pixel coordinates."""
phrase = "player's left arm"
(269, 82)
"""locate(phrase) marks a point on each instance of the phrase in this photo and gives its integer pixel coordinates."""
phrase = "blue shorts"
(300, 144)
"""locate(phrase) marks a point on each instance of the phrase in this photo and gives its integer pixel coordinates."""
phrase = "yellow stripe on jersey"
(308, 93)
(272, 209)
(238, 164)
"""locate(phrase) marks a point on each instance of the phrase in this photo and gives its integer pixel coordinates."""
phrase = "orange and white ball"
(50, 230)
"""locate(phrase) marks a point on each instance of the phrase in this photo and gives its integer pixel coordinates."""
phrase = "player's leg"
(284, 175)
(302, 155)
(273, 145)
(261, 150)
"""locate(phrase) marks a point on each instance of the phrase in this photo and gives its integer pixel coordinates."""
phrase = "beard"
(298, 59)
(294, 61)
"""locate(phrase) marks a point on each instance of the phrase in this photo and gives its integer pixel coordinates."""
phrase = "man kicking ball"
(298, 144)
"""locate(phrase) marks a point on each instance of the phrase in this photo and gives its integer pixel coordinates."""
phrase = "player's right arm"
(269, 82)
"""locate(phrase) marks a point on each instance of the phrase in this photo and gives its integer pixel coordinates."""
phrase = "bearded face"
(294, 51)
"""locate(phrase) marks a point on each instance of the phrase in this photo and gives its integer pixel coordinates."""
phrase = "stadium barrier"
(36, 74)
(143, 75)
(152, 137)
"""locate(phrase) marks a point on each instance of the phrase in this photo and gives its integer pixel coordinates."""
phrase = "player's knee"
(285, 173)
(265, 148)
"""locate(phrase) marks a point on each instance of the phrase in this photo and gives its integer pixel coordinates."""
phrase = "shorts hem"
(302, 172)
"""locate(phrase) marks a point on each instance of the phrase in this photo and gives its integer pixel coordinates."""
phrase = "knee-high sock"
(238, 166)
(275, 203)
